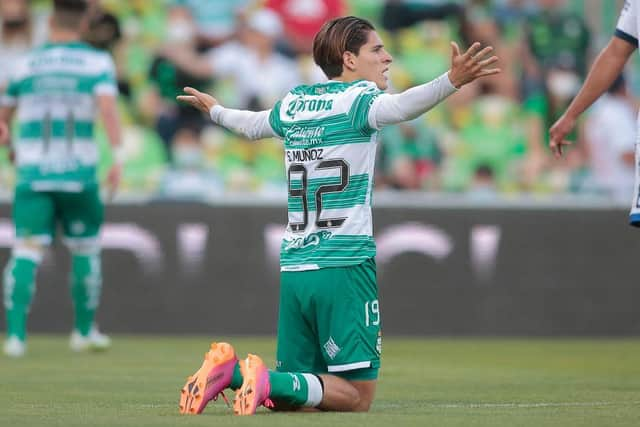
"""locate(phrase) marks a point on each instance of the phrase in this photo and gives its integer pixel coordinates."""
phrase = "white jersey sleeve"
(392, 109)
(627, 28)
(250, 124)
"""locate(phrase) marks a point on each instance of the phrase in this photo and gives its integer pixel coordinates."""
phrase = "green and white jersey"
(330, 151)
(54, 89)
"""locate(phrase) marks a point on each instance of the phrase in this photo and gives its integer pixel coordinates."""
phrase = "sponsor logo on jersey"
(298, 135)
(300, 104)
(313, 239)
(51, 60)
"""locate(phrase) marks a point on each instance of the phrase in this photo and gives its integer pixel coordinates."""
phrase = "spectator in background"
(611, 136)
(489, 134)
(511, 15)
(215, 20)
(103, 31)
(398, 14)
(554, 36)
(168, 79)
(260, 74)
(20, 30)
(484, 27)
(410, 155)
(302, 19)
(189, 179)
(483, 186)
(542, 108)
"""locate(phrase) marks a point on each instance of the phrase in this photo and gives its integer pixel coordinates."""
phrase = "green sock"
(295, 389)
(236, 379)
(86, 284)
(19, 286)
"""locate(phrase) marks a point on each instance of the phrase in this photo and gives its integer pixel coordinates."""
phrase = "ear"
(349, 61)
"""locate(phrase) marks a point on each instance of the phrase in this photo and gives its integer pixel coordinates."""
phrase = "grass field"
(423, 382)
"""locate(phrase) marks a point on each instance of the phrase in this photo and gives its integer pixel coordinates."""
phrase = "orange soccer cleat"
(210, 380)
(255, 387)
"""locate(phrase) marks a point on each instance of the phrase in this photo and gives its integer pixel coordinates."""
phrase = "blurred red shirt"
(302, 19)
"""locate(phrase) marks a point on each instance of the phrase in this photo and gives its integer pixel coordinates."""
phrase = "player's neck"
(347, 76)
(60, 35)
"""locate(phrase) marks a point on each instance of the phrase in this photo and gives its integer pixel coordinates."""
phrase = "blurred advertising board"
(447, 270)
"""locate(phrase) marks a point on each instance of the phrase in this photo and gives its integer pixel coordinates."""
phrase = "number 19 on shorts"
(371, 313)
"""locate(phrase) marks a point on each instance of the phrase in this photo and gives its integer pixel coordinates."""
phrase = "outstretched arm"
(4, 133)
(465, 68)
(607, 66)
(107, 105)
(250, 124)
(6, 115)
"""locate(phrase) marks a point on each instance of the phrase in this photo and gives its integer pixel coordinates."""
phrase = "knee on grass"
(341, 395)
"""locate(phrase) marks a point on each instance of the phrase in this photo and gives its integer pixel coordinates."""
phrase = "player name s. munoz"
(304, 155)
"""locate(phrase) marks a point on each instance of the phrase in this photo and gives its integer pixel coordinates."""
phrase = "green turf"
(431, 382)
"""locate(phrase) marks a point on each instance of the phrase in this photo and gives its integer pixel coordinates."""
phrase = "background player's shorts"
(329, 321)
(36, 213)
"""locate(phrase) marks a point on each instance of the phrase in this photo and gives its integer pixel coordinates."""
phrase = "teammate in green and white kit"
(329, 321)
(57, 90)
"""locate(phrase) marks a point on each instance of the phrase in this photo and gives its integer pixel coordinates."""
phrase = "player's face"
(373, 61)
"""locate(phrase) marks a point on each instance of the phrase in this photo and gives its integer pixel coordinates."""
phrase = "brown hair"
(69, 13)
(340, 35)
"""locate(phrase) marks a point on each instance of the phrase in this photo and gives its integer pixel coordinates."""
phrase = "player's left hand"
(471, 65)
(113, 180)
(558, 133)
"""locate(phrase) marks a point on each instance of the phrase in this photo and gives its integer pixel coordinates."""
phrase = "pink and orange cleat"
(210, 380)
(255, 387)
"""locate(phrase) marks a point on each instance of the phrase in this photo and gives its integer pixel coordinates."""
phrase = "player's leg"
(296, 391)
(33, 216)
(319, 309)
(346, 396)
(349, 334)
(293, 385)
(82, 216)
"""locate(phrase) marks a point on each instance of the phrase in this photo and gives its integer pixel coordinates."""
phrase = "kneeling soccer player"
(329, 339)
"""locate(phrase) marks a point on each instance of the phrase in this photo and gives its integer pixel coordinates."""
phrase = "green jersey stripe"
(44, 83)
(55, 129)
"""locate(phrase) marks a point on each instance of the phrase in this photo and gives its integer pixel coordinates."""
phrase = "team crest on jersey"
(300, 104)
(313, 239)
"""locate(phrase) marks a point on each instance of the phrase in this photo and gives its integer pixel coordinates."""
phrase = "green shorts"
(36, 214)
(329, 322)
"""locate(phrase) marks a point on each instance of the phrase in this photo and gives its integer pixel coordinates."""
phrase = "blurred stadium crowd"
(487, 140)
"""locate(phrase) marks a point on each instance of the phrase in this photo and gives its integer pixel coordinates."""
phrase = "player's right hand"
(558, 133)
(471, 65)
(113, 180)
(197, 99)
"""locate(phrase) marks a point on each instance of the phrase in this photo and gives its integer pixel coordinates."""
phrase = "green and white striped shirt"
(329, 133)
(54, 89)
(330, 151)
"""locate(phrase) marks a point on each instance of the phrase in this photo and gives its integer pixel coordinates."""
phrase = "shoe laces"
(226, 400)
